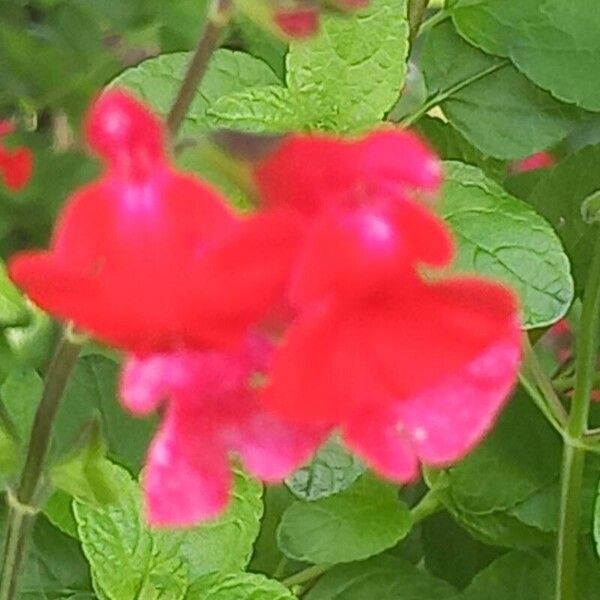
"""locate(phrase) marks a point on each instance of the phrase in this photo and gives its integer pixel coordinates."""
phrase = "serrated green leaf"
(360, 522)
(380, 578)
(344, 79)
(493, 105)
(519, 457)
(157, 80)
(555, 43)
(331, 471)
(502, 237)
(126, 558)
(351, 74)
(226, 544)
(237, 586)
(270, 109)
(559, 195)
(514, 576)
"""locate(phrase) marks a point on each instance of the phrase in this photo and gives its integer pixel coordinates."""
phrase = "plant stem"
(573, 456)
(533, 374)
(447, 93)
(217, 20)
(306, 575)
(427, 506)
(416, 12)
(22, 506)
(438, 17)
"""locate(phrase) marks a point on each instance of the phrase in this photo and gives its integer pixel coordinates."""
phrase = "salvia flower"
(410, 364)
(133, 251)
(294, 19)
(16, 165)
(153, 261)
(212, 412)
(539, 160)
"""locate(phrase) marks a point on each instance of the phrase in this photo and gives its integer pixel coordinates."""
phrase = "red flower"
(147, 258)
(212, 411)
(540, 160)
(16, 165)
(409, 367)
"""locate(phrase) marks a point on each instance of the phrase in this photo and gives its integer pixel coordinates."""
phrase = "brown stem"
(217, 20)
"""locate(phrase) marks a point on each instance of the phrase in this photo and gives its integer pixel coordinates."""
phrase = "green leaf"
(59, 511)
(355, 524)
(556, 45)
(127, 559)
(559, 196)
(86, 474)
(514, 576)
(502, 237)
(331, 471)
(92, 390)
(519, 457)
(270, 109)
(502, 529)
(21, 392)
(237, 586)
(125, 555)
(495, 107)
(352, 73)
(13, 307)
(541, 510)
(344, 79)
(157, 80)
(55, 567)
(451, 553)
(380, 578)
(267, 556)
(450, 144)
(226, 544)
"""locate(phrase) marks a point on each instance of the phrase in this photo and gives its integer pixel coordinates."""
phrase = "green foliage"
(491, 82)
(237, 586)
(384, 578)
(557, 47)
(345, 79)
(331, 471)
(355, 524)
(493, 105)
(502, 237)
(127, 558)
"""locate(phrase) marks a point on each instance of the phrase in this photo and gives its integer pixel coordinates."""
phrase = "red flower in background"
(540, 160)
(16, 165)
(294, 19)
(409, 366)
(133, 252)
(212, 411)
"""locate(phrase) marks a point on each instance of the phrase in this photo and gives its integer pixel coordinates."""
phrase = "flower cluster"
(16, 165)
(325, 310)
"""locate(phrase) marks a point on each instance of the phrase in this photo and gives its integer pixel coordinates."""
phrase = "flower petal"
(182, 490)
(380, 443)
(271, 449)
(321, 373)
(446, 420)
